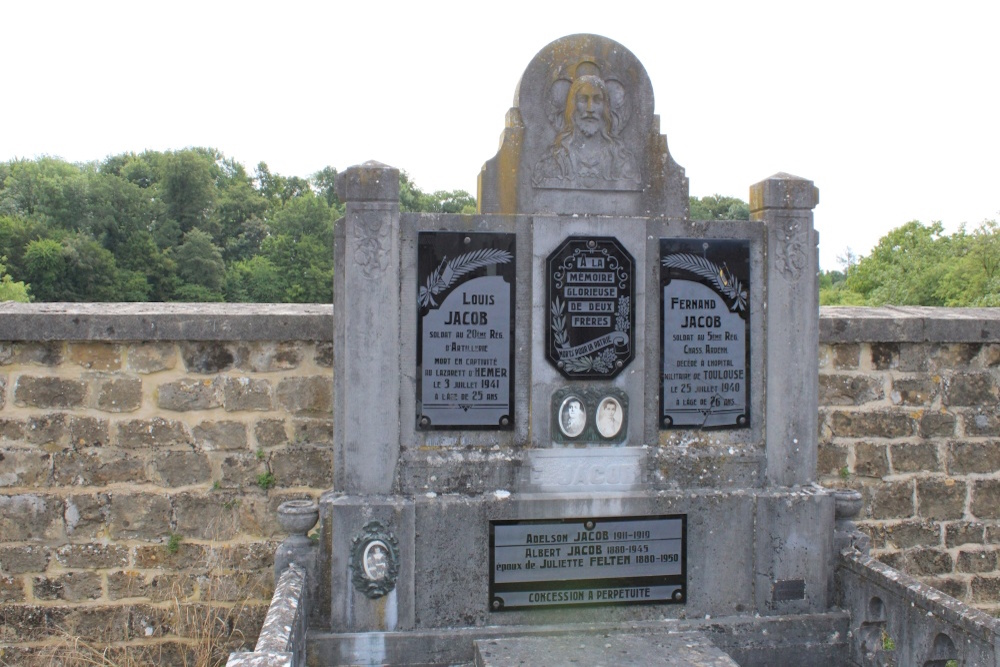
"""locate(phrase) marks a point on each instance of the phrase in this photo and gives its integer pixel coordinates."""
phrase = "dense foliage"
(193, 225)
(919, 265)
(717, 207)
(189, 225)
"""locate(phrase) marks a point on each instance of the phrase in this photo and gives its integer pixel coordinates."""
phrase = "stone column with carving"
(785, 203)
(366, 331)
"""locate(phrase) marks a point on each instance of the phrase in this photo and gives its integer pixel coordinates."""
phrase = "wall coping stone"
(910, 590)
(908, 324)
(165, 321)
(293, 321)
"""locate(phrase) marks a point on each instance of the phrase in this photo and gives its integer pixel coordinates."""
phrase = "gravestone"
(577, 406)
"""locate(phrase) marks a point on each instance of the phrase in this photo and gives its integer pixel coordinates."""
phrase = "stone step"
(750, 641)
(689, 649)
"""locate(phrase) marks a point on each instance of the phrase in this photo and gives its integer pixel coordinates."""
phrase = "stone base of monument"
(688, 649)
(774, 641)
(763, 566)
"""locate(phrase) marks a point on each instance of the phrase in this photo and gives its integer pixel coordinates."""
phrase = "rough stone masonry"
(908, 413)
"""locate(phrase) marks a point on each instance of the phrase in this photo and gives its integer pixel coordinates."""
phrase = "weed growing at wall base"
(265, 480)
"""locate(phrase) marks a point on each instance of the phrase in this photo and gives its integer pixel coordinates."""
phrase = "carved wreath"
(605, 362)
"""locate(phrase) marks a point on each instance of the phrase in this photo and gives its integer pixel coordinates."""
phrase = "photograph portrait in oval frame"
(609, 417)
(572, 416)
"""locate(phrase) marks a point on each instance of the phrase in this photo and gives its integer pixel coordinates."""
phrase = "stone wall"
(909, 415)
(139, 480)
(144, 450)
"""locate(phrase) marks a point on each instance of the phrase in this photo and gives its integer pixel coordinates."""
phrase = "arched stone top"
(582, 138)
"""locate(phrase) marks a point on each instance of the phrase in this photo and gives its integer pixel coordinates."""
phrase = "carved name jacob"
(589, 112)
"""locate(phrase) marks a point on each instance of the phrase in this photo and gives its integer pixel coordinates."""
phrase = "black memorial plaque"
(599, 561)
(591, 293)
(705, 317)
(465, 330)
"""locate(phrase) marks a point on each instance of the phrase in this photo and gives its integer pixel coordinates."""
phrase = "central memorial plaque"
(608, 560)
(465, 330)
(591, 292)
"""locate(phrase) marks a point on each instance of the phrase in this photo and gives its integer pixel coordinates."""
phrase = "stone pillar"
(785, 203)
(366, 331)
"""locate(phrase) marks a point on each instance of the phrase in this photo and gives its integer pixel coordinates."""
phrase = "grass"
(265, 480)
(208, 631)
(197, 622)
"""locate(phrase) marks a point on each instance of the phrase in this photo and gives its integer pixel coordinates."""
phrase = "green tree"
(47, 189)
(117, 210)
(10, 290)
(718, 207)
(971, 273)
(45, 269)
(905, 268)
(324, 183)
(16, 232)
(92, 274)
(189, 190)
(199, 262)
(414, 200)
(240, 211)
(411, 198)
(255, 280)
(301, 248)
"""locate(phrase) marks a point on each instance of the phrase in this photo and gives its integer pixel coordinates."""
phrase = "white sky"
(891, 108)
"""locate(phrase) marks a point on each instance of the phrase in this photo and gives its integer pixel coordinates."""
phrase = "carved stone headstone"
(582, 138)
(577, 397)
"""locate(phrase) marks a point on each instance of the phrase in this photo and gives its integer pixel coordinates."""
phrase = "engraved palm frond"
(447, 272)
(723, 280)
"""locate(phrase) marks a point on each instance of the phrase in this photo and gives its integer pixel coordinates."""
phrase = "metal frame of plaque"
(465, 330)
(705, 333)
(587, 562)
(591, 299)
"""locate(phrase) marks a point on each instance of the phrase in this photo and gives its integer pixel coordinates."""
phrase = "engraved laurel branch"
(622, 322)
(559, 323)
(721, 277)
(447, 272)
(603, 362)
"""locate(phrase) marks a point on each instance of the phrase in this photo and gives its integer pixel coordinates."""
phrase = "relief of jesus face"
(589, 113)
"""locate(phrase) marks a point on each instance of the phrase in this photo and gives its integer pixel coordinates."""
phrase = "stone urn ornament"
(297, 517)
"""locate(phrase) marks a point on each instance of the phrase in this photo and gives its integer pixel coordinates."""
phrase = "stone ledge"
(165, 321)
(277, 322)
(908, 324)
(910, 590)
(687, 649)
